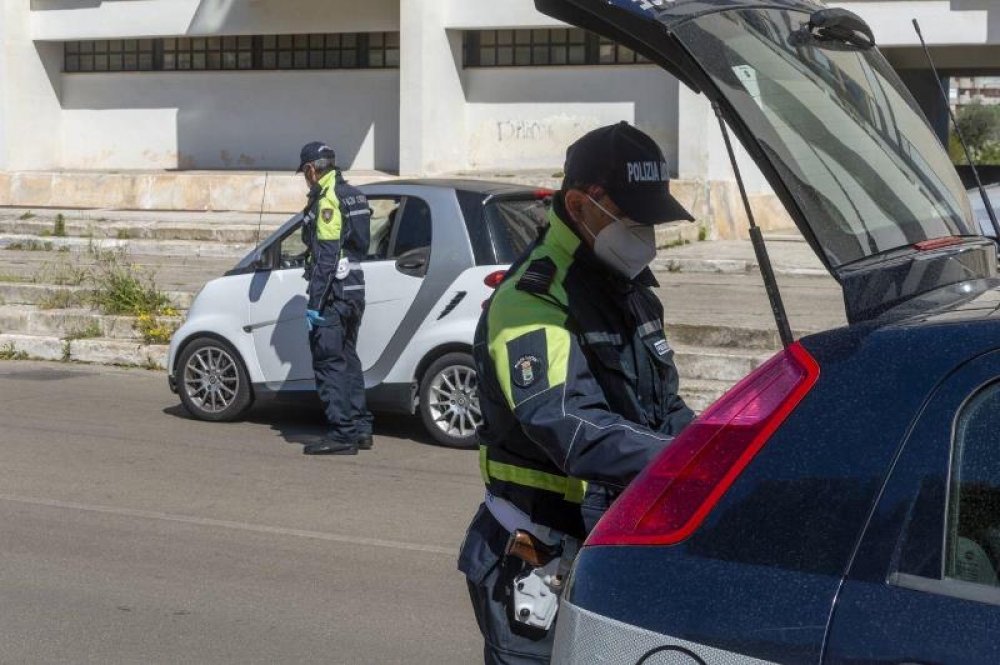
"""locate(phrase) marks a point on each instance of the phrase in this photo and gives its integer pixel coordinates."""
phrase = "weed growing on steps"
(90, 332)
(9, 352)
(30, 246)
(26, 216)
(123, 234)
(61, 273)
(121, 287)
(62, 299)
(59, 227)
(702, 233)
(67, 351)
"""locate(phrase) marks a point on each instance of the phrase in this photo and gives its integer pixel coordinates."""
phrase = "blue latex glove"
(313, 319)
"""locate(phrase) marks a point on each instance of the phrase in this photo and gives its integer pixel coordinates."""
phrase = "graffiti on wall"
(523, 130)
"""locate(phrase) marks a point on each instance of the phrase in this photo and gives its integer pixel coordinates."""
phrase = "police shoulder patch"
(327, 214)
(526, 371)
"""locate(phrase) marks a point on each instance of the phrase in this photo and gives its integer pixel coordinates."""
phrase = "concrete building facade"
(414, 87)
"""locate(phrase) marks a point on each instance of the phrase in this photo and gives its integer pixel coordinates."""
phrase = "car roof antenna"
(958, 132)
(763, 260)
(260, 216)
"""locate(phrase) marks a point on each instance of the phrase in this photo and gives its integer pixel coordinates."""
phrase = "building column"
(30, 112)
(432, 137)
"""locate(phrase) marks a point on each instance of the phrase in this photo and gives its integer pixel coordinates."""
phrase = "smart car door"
(397, 262)
(277, 312)
(923, 587)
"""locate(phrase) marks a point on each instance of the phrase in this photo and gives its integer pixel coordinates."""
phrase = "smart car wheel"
(449, 401)
(212, 381)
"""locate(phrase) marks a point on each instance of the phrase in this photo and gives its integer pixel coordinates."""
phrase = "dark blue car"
(842, 503)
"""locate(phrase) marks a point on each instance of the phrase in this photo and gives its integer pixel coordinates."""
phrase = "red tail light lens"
(937, 243)
(544, 193)
(494, 278)
(673, 495)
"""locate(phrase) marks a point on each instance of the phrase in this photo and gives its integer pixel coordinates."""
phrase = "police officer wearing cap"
(577, 382)
(336, 229)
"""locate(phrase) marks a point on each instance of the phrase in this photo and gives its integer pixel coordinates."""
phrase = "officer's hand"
(313, 319)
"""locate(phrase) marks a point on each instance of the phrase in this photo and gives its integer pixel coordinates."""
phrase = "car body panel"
(895, 606)
(760, 576)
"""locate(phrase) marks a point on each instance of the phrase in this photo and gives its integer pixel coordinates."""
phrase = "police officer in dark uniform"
(577, 382)
(336, 230)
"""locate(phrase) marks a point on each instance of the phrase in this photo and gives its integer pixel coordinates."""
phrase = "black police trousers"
(490, 577)
(340, 380)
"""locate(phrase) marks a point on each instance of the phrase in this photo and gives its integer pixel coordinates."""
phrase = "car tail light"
(494, 278)
(544, 193)
(672, 496)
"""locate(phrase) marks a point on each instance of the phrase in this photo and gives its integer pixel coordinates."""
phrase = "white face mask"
(625, 246)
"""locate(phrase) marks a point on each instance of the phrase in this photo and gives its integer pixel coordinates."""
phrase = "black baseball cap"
(631, 168)
(312, 151)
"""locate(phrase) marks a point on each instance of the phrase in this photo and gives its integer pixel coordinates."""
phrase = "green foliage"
(30, 246)
(26, 216)
(9, 352)
(91, 331)
(120, 287)
(59, 227)
(123, 234)
(980, 126)
(702, 233)
(62, 299)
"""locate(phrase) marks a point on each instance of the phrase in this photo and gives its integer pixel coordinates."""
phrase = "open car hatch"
(839, 137)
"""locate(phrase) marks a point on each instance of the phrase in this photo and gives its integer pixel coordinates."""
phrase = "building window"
(115, 55)
(378, 50)
(541, 48)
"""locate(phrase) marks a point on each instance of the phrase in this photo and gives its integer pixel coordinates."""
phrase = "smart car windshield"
(839, 126)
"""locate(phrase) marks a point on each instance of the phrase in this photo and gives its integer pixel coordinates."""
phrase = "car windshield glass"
(841, 129)
(514, 224)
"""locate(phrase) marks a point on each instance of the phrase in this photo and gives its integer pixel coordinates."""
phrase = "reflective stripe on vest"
(572, 489)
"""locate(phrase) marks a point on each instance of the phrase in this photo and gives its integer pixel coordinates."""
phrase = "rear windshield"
(840, 128)
(514, 225)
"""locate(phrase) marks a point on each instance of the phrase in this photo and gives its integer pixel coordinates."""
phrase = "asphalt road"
(132, 534)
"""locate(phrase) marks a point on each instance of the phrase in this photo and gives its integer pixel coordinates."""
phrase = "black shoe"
(331, 447)
(365, 442)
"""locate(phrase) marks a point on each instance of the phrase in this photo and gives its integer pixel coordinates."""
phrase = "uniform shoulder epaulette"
(538, 276)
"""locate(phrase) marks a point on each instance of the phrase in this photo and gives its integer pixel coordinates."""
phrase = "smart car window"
(514, 225)
(973, 531)
(384, 213)
(839, 127)
(413, 228)
(293, 250)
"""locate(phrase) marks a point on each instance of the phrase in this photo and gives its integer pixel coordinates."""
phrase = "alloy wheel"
(454, 402)
(211, 379)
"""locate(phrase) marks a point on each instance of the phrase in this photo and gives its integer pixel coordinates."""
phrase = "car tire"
(212, 380)
(449, 401)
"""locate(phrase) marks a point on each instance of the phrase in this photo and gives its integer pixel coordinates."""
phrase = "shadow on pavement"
(303, 416)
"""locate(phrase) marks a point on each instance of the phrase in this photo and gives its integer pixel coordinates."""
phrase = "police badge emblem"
(327, 214)
(526, 370)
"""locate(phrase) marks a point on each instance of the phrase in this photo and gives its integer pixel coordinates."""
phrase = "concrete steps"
(183, 251)
(93, 350)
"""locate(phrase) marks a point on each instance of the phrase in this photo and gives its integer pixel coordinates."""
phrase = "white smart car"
(438, 248)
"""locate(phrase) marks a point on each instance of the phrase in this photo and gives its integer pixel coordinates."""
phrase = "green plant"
(61, 273)
(121, 288)
(59, 227)
(702, 233)
(9, 352)
(30, 246)
(67, 351)
(155, 330)
(61, 299)
(12, 279)
(91, 331)
(123, 234)
(26, 216)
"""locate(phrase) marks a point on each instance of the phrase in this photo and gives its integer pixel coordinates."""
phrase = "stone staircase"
(44, 311)
(45, 260)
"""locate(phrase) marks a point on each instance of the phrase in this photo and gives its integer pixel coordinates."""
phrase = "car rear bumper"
(586, 637)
